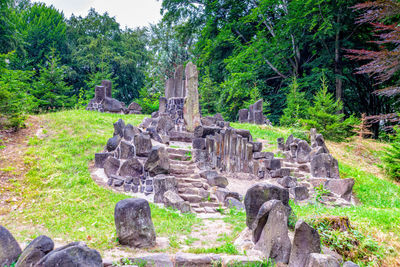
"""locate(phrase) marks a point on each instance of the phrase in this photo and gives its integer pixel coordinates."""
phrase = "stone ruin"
(103, 101)
(254, 114)
(184, 160)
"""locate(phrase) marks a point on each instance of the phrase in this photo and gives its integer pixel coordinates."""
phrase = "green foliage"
(208, 91)
(15, 102)
(326, 115)
(49, 89)
(148, 101)
(297, 106)
(391, 158)
(320, 191)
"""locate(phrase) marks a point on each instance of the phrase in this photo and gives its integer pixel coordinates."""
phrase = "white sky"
(131, 13)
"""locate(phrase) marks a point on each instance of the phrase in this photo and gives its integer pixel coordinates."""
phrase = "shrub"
(148, 101)
(391, 158)
(327, 117)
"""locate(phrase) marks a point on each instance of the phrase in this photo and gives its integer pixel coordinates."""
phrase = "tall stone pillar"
(178, 82)
(99, 93)
(191, 108)
(108, 85)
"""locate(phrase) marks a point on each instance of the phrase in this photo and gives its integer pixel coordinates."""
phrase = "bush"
(391, 158)
(327, 117)
(148, 101)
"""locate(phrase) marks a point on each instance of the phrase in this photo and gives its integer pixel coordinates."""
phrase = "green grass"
(62, 197)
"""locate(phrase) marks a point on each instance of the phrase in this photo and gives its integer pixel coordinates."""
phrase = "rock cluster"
(254, 114)
(41, 253)
(103, 101)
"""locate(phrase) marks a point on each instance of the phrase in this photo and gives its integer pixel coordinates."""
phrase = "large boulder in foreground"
(133, 223)
(274, 240)
(75, 254)
(306, 241)
(158, 162)
(260, 193)
(35, 251)
(9, 248)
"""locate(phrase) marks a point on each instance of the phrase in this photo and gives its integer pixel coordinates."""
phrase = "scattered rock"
(119, 127)
(300, 193)
(130, 131)
(100, 158)
(219, 181)
(35, 251)
(274, 240)
(350, 264)
(341, 187)
(306, 241)
(195, 260)
(9, 248)
(113, 143)
(231, 202)
(321, 260)
(131, 168)
(287, 182)
(133, 223)
(257, 195)
(162, 184)
(74, 254)
(173, 200)
(157, 162)
(156, 260)
(324, 165)
(143, 145)
(127, 150)
(111, 166)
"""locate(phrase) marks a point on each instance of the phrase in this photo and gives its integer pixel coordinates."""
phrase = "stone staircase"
(191, 187)
(297, 170)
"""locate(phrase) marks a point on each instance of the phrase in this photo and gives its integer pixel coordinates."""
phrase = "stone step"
(181, 136)
(198, 210)
(180, 162)
(180, 151)
(179, 157)
(192, 198)
(189, 180)
(182, 166)
(181, 171)
(210, 204)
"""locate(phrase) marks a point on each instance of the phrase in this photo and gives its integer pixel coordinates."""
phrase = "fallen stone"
(303, 152)
(208, 174)
(162, 184)
(133, 223)
(257, 195)
(287, 182)
(143, 145)
(300, 193)
(196, 260)
(272, 164)
(74, 254)
(136, 107)
(324, 165)
(130, 131)
(321, 260)
(127, 150)
(100, 158)
(158, 161)
(131, 168)
(146, 123)
(350, 264)
(9, 248)
(112, 105)
(341, 187)
(119, 127)
(219, 181)
(35, 251)
(165, 124)
(263, 155)
(113, 143)
(306, 241)
(231, 203)
(156, 260)
(257, 146)
(274, 240)
(173, 200)
(199, 143)
(111, 166)
(223, 193)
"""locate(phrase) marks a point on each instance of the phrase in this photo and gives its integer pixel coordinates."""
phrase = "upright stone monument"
(191, 108)
(254, 114)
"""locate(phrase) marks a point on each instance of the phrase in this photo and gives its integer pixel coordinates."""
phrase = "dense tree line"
(245, 50)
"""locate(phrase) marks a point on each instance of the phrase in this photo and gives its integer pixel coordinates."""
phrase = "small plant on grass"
(391, 158)
(321, 191)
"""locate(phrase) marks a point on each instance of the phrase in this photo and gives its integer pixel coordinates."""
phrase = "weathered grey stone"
(191, 108)
(113, 143)
(287, 182)
(130, 131)
(243, 133)
(127, 150)
(300, 193)
(108, 86)
(181, 136)
(35, 251)
(99, 94)
(157, 162)
(155, 115)
(133, 223)
(162, 184)
(289, 141)
(146, 123)
(165, 124)
(257, 195)
(9, 248)
(350, 264)
(306, 241)
(324, 165)
(202, 131)
(231, 202)
(223, 193)
(131, 168)
(280, 173)
(303, 152)
(259, 117)
(196, 260)
(219, 181)
(321, 260)
(206, 174)
(341, 187)
(257, 146)
(243, 115)
(135, 107)
(111, 166)
(173, 200)
(143, 145)
(100, 158)
(112, 105)
(163, 105)
(272, 164)
(199, 143)
(74, 254)
(274, 240)
(156, 260)
(281, 143)
(263, 155)
(118, 181)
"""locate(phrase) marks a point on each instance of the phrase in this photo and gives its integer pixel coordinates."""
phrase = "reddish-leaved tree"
(385, 63)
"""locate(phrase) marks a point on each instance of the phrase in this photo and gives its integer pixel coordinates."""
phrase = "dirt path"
(13, 167)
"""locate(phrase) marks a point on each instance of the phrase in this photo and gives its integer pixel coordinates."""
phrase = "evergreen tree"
(297, 106)
(325, 115)
(50, 90)
(391, 158)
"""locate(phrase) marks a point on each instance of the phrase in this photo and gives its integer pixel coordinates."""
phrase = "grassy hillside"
(59, 198)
